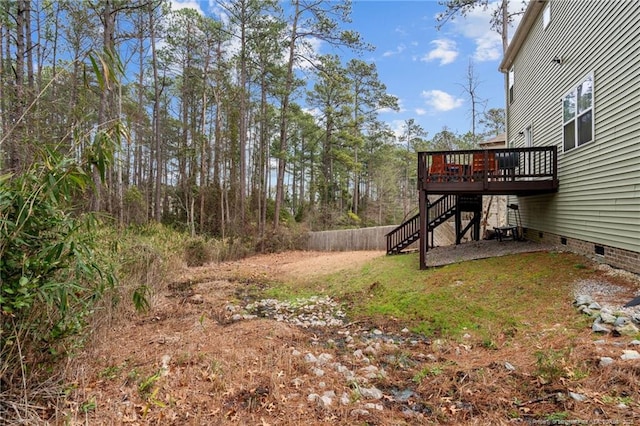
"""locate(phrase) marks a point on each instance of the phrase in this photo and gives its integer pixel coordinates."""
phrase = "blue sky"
(425, 68)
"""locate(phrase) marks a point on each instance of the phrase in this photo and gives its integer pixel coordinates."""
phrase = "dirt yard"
(188, 363)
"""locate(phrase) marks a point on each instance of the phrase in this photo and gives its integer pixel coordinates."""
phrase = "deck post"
(424, 231)
(458, 221)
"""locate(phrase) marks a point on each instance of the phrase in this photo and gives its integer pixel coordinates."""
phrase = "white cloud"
(445, 50)
(397, 51)
(397, 126)
(420, 111)
(441, 101)
(309, 49)
(476, 25)
(186, 4)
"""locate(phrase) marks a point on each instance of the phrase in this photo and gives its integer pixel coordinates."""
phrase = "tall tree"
(309, 20)
(332, 98)
(412, 135)
(493, 122)
(247, 24)
(470, 89)
(368, 95)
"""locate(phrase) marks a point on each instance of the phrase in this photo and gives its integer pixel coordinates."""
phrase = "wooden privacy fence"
(373, 238)
(350, 239)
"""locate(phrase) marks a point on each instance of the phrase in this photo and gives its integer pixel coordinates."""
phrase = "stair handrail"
(402, 232)
(440, 207)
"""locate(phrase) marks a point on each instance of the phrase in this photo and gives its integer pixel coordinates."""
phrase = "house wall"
(598, 201)
(621, 258)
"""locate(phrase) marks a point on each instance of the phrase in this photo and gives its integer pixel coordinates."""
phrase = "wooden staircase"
(408, 232)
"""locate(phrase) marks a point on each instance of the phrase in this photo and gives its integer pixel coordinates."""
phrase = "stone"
(577, 397)
(318, 372)
(324, 401)
(404, 395)
(509, 366)
(599, 327)
(324, 358)
(629, 329)
(607, 318)
(585, 310)
(620, 321)
(583, 299)
(164, 368)
(635, 342)
(372, 406)
(369, 350)
(311, 358)
(359, 412)
(595, 306)
(371, 393)
(327, 398)
(628, 355)
(358, 354)
(605, 361)
(344, 399)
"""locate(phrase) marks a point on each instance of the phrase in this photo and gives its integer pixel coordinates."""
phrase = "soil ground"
(186, 363)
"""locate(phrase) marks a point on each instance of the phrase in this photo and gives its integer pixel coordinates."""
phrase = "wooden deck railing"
(496, 171)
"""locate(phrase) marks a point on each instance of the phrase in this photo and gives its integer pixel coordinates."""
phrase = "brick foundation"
(616, 257)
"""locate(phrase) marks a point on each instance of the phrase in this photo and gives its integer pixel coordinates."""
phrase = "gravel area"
(446, 255)
(608, 294)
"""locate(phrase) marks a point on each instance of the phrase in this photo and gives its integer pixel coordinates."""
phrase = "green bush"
(283, 239)
(197, 252)
(50, 277)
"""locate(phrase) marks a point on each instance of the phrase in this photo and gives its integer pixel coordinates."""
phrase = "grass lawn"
(488, 298)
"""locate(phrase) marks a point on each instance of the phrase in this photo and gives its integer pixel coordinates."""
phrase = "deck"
(515, 171)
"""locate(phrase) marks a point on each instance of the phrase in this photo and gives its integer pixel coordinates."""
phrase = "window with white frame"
(577, 114)
(511, 83)
(546, 15)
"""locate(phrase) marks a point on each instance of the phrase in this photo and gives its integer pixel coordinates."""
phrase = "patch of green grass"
(145, 386)
(626, 400)
(88, 406)
(550, 365)
(434, 370)
(558, 416)
(111, 372)
(486, 298)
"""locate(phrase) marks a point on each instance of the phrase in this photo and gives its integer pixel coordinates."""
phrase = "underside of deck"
(464, 176)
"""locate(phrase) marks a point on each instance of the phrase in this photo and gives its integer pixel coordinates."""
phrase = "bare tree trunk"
(157, 137)
(15, 150)
(108, 22)
(283, 117)
(3, 102)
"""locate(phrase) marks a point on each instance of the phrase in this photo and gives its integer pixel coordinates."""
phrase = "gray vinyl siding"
(599, 195)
